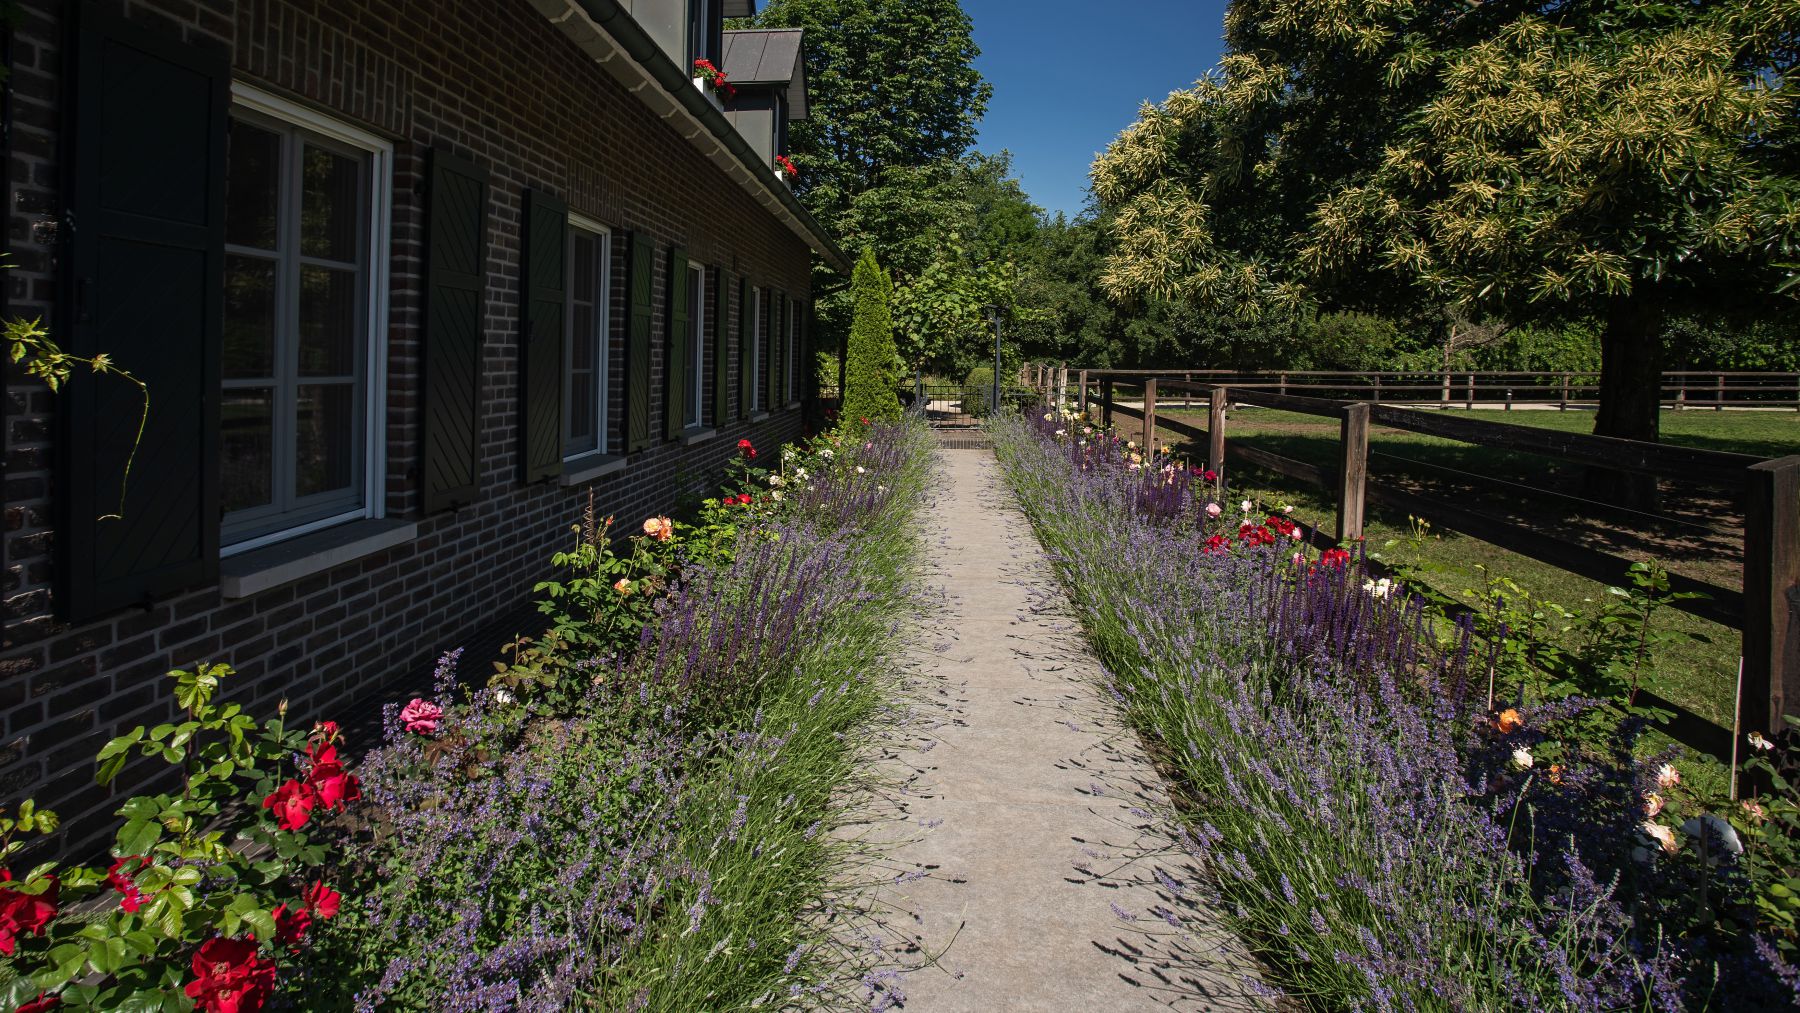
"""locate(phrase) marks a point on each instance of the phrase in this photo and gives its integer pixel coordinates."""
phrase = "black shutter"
(746, 332)
(777, 303)
(544, 287)
(721, 349)
(451, 388)
(676, 381)
(145, 286)
(806, 370)
(641, 309)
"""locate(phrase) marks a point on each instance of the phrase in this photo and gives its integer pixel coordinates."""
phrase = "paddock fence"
(1765, 609)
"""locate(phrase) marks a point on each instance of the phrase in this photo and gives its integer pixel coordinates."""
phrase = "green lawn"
(1701, 537)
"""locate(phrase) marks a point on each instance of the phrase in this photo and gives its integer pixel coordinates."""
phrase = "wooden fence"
(1681, 389)
(1766, 610)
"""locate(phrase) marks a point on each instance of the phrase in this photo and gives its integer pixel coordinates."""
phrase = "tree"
(1619, 161)
(871, 374)
(894, 101)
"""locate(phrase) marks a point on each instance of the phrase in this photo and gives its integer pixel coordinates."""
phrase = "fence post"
(1106, 403)
(1444, 398)
(1353, 431)
(1771, 595)
(1149, 417)
(1469, 392)
(1081, 393)
(1797, 392)
(1215, 437)
(1377, 388)
(1563, 405)
(1062, 387)
(1719, 393)
(1187, 390)
(1681, 394)
(1284, 384)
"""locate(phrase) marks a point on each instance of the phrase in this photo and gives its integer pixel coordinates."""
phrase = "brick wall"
(495, 82)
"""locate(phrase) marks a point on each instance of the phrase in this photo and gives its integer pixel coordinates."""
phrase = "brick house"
(407, 280)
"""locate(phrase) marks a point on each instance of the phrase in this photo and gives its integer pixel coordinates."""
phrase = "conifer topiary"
(871, 375)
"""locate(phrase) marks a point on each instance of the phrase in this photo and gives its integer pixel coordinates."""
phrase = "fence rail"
(1681, 389)
(1766, 610)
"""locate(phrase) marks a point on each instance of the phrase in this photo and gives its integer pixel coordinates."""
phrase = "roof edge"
(631, 38)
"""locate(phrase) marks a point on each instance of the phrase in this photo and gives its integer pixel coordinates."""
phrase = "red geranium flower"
(1334, 557)
(40, 1004)
(292, 804)
(328, 778)
(22, 913)
(230, 977)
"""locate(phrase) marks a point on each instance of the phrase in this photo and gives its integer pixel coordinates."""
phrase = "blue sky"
(1069, 76)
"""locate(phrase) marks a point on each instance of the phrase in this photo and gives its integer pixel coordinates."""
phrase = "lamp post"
(993, 312)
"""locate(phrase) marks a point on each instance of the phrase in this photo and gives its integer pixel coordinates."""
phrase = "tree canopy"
(1625, 162)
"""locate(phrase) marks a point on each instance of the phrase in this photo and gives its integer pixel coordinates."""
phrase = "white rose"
(1247, 506)
(1522, 759)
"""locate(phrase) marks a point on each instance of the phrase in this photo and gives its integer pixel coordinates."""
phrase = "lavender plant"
(1380, 837)
(663, 845)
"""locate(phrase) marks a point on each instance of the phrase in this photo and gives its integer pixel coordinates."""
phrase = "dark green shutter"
(721, 349)
(543, 283)
(746, 332)
(806, 370)
(641, 284)
(777, 303)
(676, 382)
(454, 280)
(145, 286)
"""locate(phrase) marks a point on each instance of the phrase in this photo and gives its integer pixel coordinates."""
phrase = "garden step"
(1045, 801)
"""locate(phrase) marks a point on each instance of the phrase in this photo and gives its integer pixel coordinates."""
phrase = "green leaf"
(138, 836)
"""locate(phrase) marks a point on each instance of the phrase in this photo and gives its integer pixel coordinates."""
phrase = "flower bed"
(1380, 835)
(636, 813)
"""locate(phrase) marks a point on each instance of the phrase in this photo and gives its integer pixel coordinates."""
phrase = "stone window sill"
(758, 416)
(791, 405)
(692, 436)
(585, 469)
(259, 570)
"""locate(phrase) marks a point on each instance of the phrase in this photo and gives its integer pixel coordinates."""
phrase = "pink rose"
(421, 717)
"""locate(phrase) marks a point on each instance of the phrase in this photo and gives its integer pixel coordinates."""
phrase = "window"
(790, 349)
(585, 347)
(305, 242)
(755, 309)
(696, 364)
(700, 32)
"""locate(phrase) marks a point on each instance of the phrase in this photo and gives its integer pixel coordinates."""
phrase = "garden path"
(1034, 814)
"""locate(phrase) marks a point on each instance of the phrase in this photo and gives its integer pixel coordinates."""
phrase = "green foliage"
(873, 371)
(30, 345)
(222, 857)
(1620, 164)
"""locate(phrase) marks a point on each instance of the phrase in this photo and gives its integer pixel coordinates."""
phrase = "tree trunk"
(1631, 345)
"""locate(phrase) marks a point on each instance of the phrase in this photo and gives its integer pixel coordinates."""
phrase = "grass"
(1701, 539)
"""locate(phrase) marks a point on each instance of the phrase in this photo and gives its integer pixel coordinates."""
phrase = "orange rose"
(1508, 720)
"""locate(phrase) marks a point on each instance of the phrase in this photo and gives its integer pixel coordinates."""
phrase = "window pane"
(252, 175)
(325, 420)
(249, 317)
(327, 322)
(329, 204)
(247, 442)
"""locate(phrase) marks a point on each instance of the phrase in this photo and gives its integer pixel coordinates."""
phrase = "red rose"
(1334, 557)
(22, 913)
(124, 880)
(290, 926)
(1210, 475)
(292, 804)
(322, 900)
(329, 780)
(747, 448)
(230, 977)
(40, 1004)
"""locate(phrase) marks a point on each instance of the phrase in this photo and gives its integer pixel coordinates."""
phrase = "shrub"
(871, 375)
(215, 899)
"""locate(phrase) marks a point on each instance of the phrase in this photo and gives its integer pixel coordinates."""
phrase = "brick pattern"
(493, 81)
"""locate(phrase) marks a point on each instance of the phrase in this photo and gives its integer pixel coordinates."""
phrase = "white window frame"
(381, 186)
(603, 322)
(696, 364)
(756, 336)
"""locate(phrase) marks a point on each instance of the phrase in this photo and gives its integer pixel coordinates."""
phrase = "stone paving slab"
(1033, 816)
